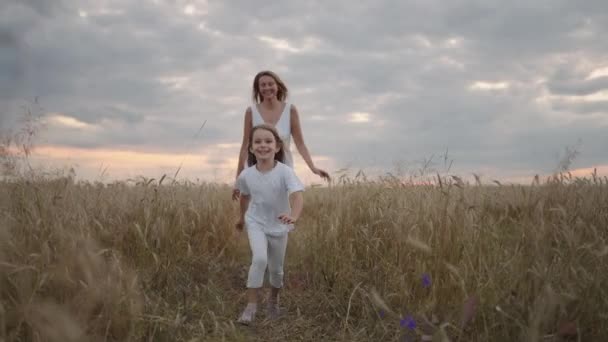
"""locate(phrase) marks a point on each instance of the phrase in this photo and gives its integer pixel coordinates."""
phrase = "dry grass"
(162, 262)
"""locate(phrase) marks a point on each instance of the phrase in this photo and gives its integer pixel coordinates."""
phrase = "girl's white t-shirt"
(269, 193)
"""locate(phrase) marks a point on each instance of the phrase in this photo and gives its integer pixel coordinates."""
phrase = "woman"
(270, 107)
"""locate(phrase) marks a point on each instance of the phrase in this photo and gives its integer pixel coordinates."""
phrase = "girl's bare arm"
(243, 206)
(297, 204)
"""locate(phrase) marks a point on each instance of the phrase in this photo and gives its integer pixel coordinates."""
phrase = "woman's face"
(268, 87)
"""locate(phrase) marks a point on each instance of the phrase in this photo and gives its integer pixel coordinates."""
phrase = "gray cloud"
(600, 107)
(147, 75)
(43, 8)
(11, 75)
(579, 87)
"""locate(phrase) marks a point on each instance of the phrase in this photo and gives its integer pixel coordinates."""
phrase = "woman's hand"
(321, 173)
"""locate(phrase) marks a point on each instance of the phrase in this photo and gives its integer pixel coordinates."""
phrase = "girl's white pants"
(266, 250)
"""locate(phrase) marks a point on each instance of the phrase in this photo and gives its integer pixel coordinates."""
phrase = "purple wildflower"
(426, 280)
(382, 313)
(408, 322)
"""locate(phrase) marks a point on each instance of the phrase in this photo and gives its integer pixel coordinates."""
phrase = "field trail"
(299, 320)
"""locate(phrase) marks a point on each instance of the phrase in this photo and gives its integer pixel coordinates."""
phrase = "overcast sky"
(125, 85)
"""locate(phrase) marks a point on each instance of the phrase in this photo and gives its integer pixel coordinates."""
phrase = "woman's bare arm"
(246, 131)
(298, 139)
(243, 152)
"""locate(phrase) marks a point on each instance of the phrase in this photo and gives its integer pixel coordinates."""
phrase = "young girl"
(271, 202)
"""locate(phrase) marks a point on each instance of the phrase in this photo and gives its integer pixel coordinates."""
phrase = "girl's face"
(264, 145)
(268, 87)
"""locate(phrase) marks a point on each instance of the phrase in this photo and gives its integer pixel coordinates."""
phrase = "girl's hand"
(235, 194)
(239, 225)
(286, 219)
(320, 172)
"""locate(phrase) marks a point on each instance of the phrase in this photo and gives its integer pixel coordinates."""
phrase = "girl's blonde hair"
(257, 95)
(279, 156)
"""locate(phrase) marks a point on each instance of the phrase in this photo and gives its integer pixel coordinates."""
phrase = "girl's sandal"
(247, 317)
(274, 312)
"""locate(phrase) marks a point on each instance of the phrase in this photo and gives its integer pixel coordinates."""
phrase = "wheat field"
(370, 260)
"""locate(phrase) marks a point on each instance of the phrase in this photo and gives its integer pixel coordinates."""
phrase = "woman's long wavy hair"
(279, 156)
